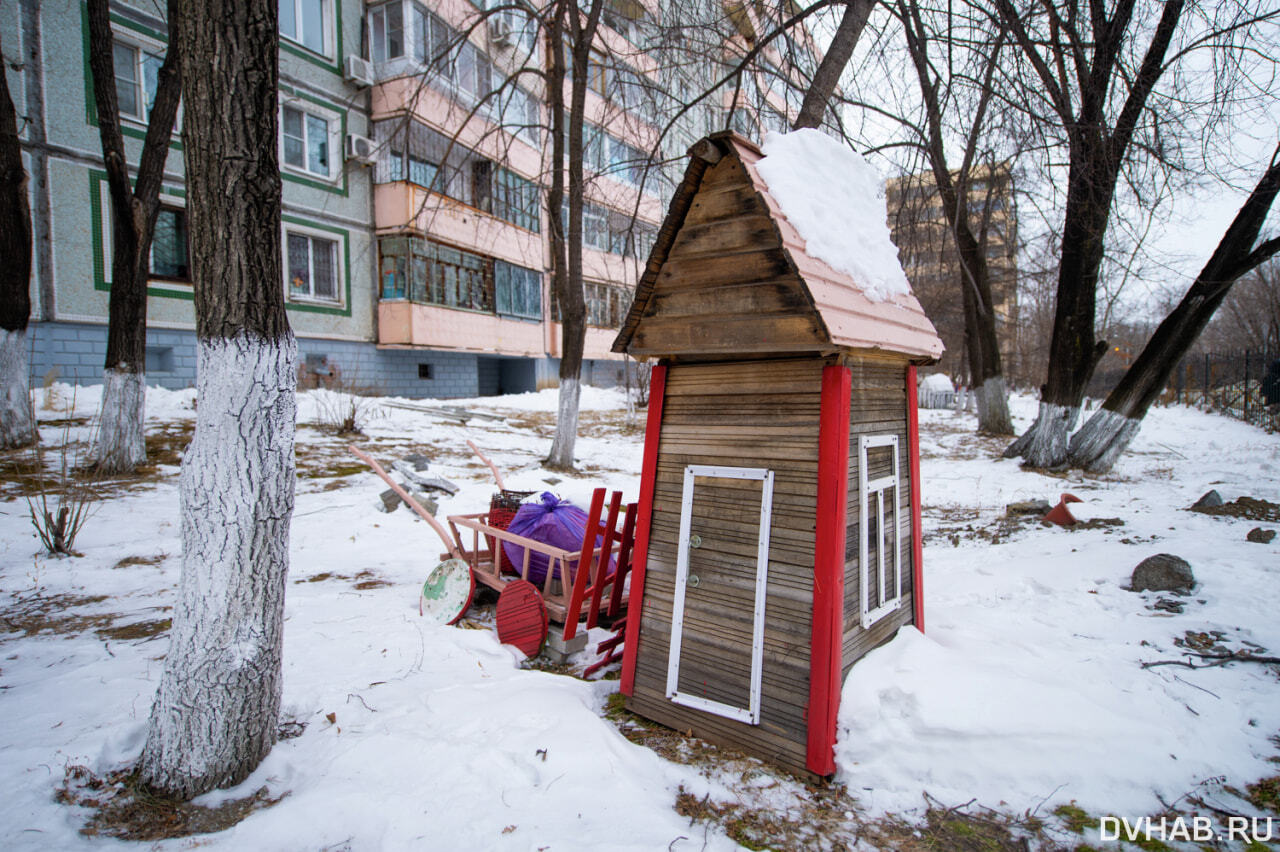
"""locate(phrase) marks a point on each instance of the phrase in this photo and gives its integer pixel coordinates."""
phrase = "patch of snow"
(937, 383)
(835, 199)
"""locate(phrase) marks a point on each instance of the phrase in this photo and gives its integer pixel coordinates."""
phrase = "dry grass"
(123, 808)
(33, 613)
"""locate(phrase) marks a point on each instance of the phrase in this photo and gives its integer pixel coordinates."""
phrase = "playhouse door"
(717, 625)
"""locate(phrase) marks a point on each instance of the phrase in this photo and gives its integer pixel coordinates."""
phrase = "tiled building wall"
(78, 351)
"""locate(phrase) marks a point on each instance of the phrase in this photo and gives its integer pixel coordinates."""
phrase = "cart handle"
(493, 467)
(409, 501)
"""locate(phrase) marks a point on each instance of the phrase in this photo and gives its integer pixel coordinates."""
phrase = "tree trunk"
(983, 348)
(17, 420)
(573, 309)
(1097, 147)
(1110, 430)
(121, 444)
(827, 77)
(216, 711)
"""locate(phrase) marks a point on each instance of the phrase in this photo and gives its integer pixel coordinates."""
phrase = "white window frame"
(889, 598)
(326, 26)
(750, 714)
(339, 265)
(333, 127)
(140, 45)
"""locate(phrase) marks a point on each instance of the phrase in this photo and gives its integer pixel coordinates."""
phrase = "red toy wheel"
(522, 617)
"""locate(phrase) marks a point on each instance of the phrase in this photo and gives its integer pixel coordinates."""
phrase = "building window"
(424, 371)
(386, 31)
(312, 264)
(306, 137)
(606, 304)
(307, 23)
(435, 274)
(517, 291)
(169, 245)
(455, 171)
(137, 76)
(879, 526)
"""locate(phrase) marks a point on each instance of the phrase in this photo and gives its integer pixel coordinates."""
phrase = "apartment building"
(927, 250)
(414, 161)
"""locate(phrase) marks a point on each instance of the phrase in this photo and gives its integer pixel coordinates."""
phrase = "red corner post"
(825, 657)
(917, 532)
(648, 477)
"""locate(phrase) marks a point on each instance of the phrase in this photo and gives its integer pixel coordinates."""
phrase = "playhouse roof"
(735, 275)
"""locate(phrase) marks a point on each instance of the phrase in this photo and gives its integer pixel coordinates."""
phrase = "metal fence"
(1229, 383)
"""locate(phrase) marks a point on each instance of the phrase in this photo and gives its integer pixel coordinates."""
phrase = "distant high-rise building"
(927, 250)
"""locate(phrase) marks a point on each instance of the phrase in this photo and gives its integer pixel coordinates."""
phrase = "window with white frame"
(308, 23)
(307, 138)
(386, 31)
(137, 76)
(312, 266)
(879, 528)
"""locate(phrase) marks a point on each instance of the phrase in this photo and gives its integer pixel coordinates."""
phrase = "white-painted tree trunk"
(1102, 439)
(993, 407)
(561, 455)
(217, 708)
(1045, 445)
(17, 420)
(121, 444)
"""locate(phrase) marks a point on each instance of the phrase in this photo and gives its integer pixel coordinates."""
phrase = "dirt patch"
(141, 560)
(166, 445)
(1250, 508)
(123, 808)
(32, 614)
(364, 580)
(137, 630)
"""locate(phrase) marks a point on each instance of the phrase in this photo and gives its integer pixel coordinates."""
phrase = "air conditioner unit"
(501, 32)
(360, 148)
(358, 70)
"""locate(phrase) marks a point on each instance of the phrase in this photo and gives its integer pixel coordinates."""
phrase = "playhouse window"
(879, 532)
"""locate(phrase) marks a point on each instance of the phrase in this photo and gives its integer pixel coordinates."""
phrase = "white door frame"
(751, 713)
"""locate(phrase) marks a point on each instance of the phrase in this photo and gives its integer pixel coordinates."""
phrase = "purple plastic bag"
(551, 521)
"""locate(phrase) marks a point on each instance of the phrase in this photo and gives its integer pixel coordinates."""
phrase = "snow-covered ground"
(1027, 690)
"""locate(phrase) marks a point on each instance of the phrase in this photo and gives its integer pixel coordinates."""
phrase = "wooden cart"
(576, 582)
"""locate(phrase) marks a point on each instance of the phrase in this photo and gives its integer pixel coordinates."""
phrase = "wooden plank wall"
(726, 284)
(752, 414)
(878, 406)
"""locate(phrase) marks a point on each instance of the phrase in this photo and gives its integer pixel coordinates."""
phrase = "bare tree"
(1249, 318)
(1111, 86)
(135, 206)
(216, 711)
(1110, 430)
(17, 421)
(817, 100)
(959, 205)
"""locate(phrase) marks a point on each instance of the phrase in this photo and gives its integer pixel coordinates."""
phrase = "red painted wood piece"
(648, 475)
(827, 627)
(624, 560)
(917, 531)
(585, 559)
(522, 617)
(602, 562)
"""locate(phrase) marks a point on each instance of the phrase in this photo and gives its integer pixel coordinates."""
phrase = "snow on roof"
(835, 199)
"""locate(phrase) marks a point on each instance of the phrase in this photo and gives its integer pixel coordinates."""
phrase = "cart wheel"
(522, 617)
(447, 594)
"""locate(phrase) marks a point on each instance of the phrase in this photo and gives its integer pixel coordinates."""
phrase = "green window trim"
(127, 126)
(336, 187)
(168, 289)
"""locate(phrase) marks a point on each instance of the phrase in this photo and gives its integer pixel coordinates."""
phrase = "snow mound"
(937, 383)
(833, 197)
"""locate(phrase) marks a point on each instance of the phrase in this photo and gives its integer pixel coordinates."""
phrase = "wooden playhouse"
(779, 531)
